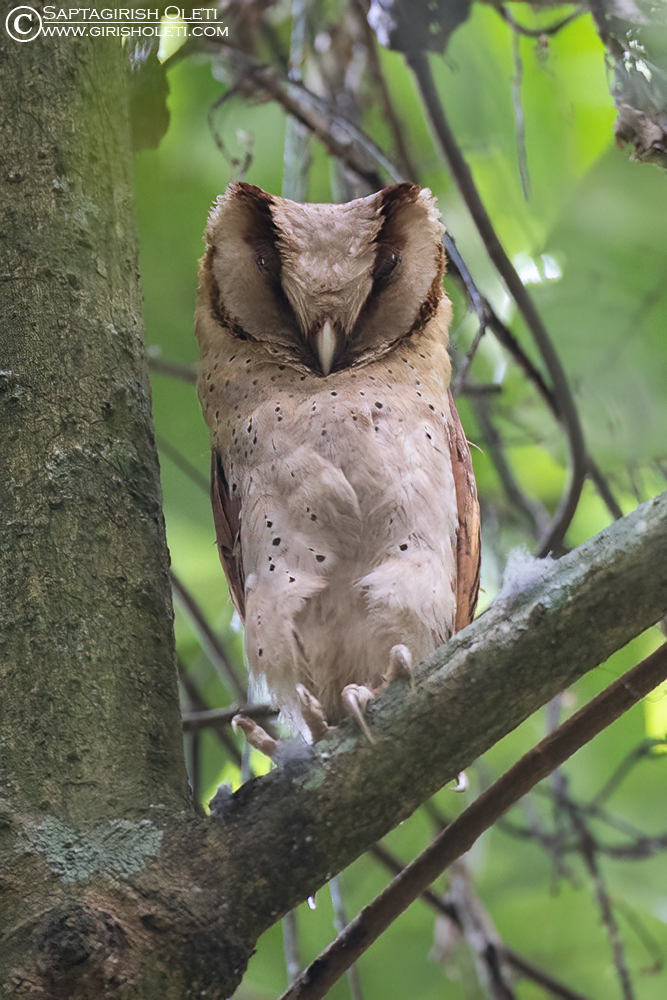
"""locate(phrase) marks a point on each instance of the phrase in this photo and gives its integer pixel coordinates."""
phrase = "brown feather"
(227, 519)
(468, 548)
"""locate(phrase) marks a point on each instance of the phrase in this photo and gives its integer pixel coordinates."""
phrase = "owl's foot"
(400, 665)
(312, 713)
(255, 735)
(356, 696)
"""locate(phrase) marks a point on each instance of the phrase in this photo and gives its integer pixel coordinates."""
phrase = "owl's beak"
(326, 344)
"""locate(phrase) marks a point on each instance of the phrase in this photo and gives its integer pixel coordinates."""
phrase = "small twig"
(652, 946)
(200, 705)
(627, 764)
(553, 537)
(463, 368)
(211, 644)
(193, 721)
(445, 908)
(291, 946)
(340, 136)
(587, 848)
(389, 111)
(192, 748)
(461, 834)
(547, 29)
(184, 373)
(480, 935)
(481, 389)
(531, 509)
(489, 318)
(340, 922)
(165, 448)
(296, 154)
(519, 117)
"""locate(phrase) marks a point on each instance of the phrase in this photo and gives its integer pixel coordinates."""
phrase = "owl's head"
(327, 286)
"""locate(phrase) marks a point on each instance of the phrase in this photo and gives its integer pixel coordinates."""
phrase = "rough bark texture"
(85, 587)
(91, 744)
(109, 884)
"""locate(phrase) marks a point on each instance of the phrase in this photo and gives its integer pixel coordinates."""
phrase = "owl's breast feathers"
(345, 510)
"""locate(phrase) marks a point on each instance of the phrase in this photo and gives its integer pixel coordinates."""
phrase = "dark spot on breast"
(269, 524)
(276, 541)
(333, 393)
(291, 579)
(260, 652)
(271, 568)
(403, 547)
(319, 558)
(313, 517)
(379, 405)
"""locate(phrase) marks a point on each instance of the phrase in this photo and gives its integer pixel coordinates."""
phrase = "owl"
(343, 494)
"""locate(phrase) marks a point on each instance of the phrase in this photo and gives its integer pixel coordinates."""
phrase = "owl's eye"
(386, 263)
(267, 260)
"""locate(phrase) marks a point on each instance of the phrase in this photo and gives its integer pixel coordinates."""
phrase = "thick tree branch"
(461, 834)
(285, 831)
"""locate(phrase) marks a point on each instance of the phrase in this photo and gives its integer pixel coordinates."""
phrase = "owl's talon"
(400, 664)
(312, 713)
(355, 697)
(255, 735)
(461, 784)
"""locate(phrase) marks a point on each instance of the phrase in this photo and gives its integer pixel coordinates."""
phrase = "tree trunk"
(91, 760)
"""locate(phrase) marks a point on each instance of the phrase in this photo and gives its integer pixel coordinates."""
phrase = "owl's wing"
(468, 550)
(227, 518)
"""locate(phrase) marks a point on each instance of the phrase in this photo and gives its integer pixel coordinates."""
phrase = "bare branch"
(446, 909)
(461, 834)
(587, 849)
(184, 373)
(205, 718)
(478, 687)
